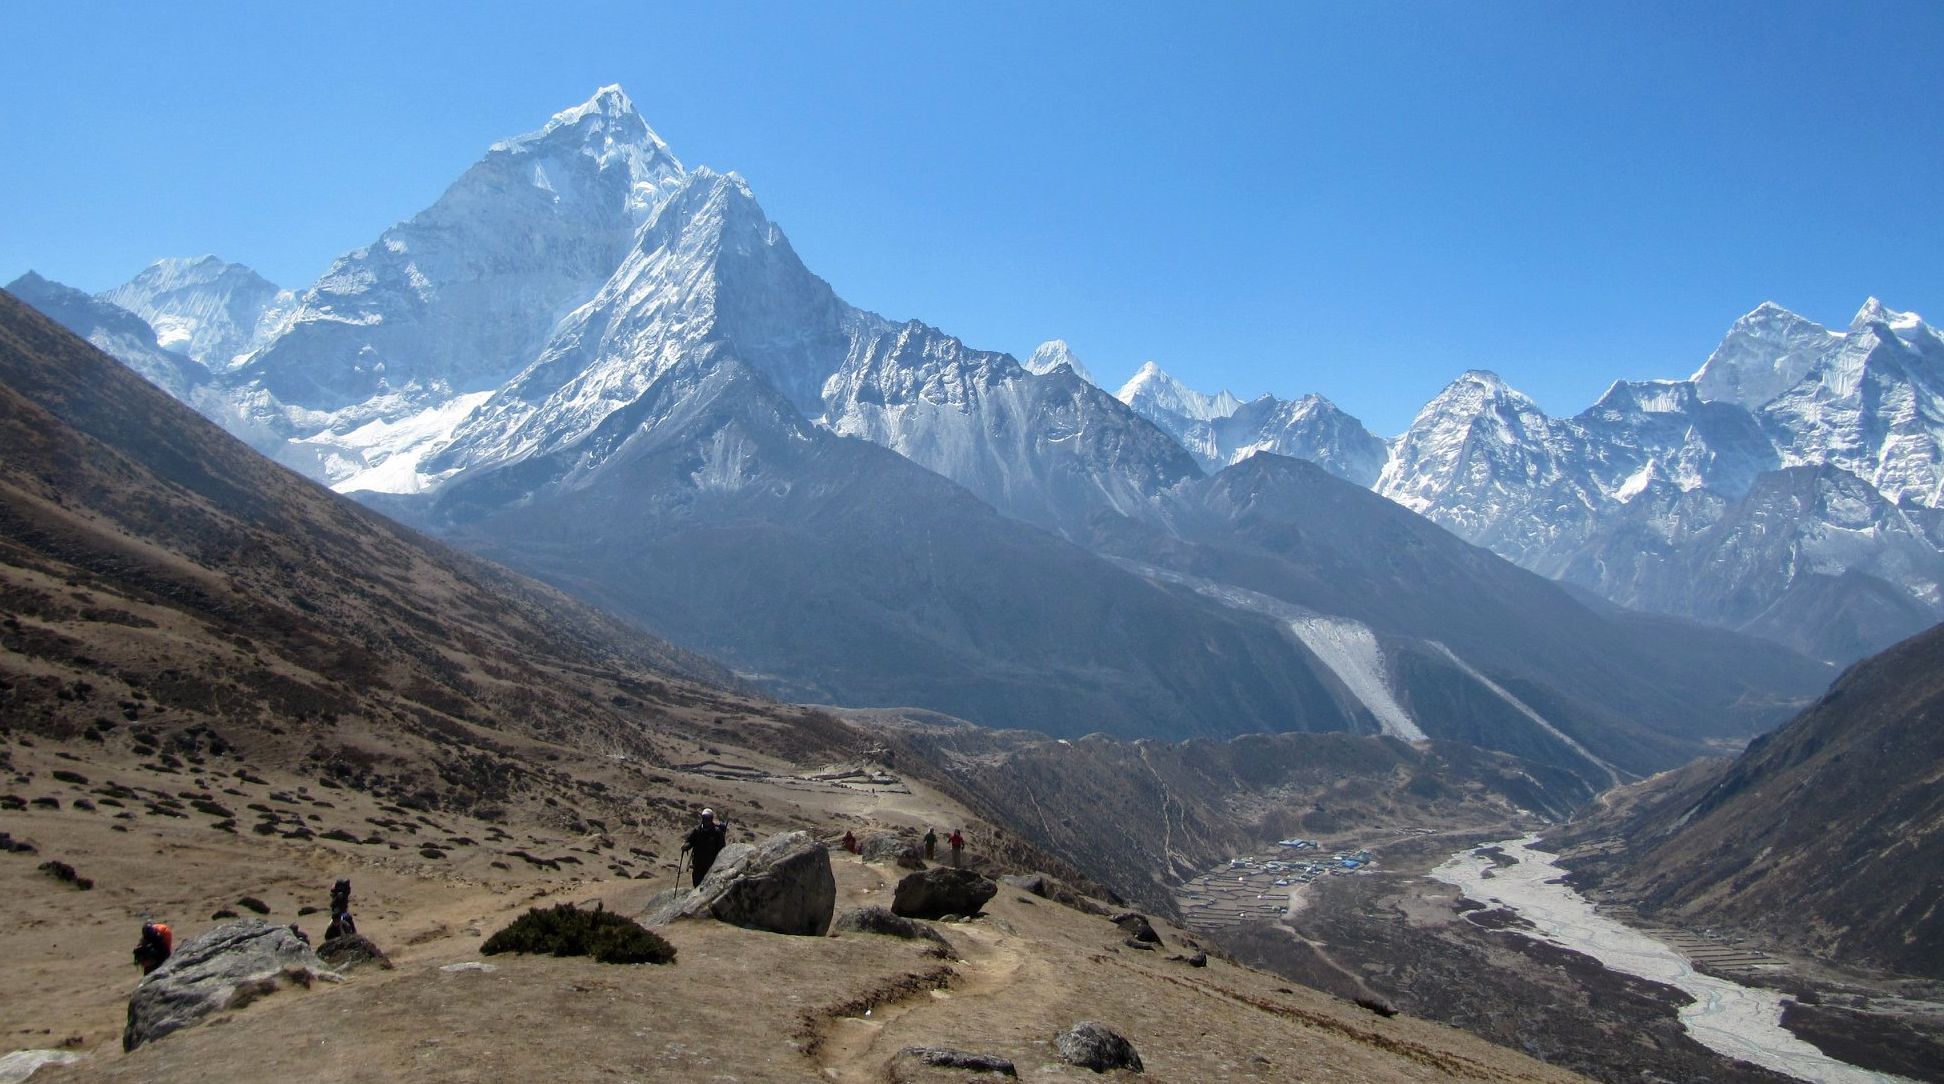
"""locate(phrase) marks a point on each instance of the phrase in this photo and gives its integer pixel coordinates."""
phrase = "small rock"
(351, 951)
(1091, 1044)
(880, 921)
(1199, 959)
(1142, 945)
(471, 965)
(943, 1058)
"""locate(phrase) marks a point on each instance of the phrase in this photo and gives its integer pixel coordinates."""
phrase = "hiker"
(705, 841)
(931, 844)
(958, 844)
(155, 946)
(342, 924)
(850, 841)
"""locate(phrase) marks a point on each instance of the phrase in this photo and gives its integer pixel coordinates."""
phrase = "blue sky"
(1357, 199)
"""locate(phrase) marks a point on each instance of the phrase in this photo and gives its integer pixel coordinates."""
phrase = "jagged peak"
(1648, 396)
(608, 117)
(1874, 311)
(1153, 386)
(1052, 354)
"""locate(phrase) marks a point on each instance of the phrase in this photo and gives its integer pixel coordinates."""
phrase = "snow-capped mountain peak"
(1054, 353)
(1903, 324)
(212, 310)
(1151, 389)
(1765, 353)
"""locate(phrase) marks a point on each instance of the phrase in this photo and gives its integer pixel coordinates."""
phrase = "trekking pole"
(679, 862)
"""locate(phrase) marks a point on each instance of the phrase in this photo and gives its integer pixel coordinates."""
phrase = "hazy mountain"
(1825, 834)
(1444, 639)
(213, 311)
(114, 330)
(155, 558)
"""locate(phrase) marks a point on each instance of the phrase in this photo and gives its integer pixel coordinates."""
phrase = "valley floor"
(1399, 937)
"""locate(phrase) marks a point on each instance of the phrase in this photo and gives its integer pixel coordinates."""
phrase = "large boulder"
(226, 967)
(783, 885)
(1091, 1044)
(895, 850)
(1137, 927)
(935, 893)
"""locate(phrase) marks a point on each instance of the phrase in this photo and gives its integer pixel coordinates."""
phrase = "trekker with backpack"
(958, 844)
(704, 842)
(155, 947)
(342, 924)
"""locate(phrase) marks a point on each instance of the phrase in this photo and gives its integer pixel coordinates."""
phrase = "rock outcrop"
(880, 921)
(896, 850)
(939, 1057)
(1091, 1044)
(352, 950)
(935, 893)
(782, 885)
(1048, 887)
(1137, 927)
(223, 968)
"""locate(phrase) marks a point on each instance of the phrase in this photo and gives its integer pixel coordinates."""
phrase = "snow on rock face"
(1764, 354)
(114, 331)
(209, 309)
(1151, 391)
(465, 291)
(1054, 353)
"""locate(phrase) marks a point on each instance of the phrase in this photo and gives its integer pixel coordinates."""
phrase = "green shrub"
(566, 930)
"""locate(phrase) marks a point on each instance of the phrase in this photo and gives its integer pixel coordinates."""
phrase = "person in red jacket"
(958, 844)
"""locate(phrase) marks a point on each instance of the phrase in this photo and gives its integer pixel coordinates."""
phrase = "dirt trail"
(859, 1050)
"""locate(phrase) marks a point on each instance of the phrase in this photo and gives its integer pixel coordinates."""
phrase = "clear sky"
(1357, 199)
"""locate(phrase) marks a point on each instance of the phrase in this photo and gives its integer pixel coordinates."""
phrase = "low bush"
(566, 930)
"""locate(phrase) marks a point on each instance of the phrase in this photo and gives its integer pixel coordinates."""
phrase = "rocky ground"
(184, 846)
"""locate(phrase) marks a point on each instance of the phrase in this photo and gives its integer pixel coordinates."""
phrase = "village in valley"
(1252, 889)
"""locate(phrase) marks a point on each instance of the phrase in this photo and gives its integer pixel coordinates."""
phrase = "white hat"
(708, 814)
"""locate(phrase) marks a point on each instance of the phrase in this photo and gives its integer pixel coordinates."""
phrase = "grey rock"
(940, 1057)
(1091, 1044)
(881, 921)
(782, 885)
(1199, 959)
(352, 951)
(1048, 887)
(1137, 927)
(896, 850)
(935, 893)
(16, 1067)
(223, 968)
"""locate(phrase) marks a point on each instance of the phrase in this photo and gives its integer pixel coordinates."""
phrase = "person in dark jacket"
(704, 842)
(931, 843)
(156, 944)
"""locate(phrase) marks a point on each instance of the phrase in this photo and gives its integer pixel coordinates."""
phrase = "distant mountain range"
(612, 371)
(1790, 488)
